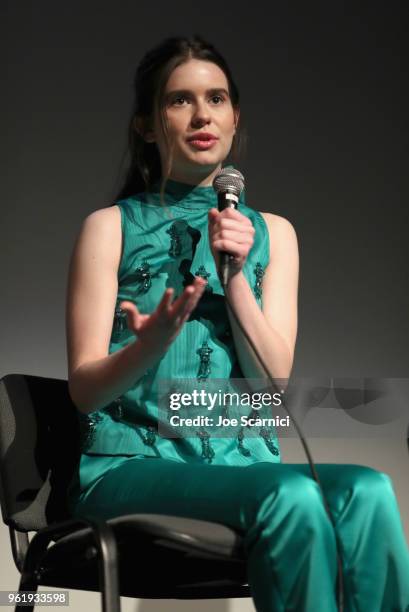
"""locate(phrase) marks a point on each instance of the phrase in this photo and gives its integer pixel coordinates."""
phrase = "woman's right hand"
(160, 328)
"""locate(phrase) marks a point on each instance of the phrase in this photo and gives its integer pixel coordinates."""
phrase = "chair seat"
(159, 556)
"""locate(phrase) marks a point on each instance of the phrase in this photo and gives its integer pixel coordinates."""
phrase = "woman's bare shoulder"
(101, 235)
(278, 225)
(283, 237)
(104, 217)
(104, 223)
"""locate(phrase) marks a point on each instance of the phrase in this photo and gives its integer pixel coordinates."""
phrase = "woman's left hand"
(232, 232)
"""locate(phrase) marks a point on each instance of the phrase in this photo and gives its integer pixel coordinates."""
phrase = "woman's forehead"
(197, 74)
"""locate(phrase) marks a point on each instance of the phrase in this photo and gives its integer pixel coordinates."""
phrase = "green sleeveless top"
(165, 247)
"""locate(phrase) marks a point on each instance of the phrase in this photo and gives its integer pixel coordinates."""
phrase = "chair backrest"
(39, 450)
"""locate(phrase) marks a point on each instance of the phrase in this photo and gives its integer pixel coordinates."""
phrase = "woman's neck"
(205, 180)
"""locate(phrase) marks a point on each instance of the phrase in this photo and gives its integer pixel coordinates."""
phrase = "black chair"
(139, 555)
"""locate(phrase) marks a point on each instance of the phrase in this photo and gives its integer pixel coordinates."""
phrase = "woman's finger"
(233, 224)
(165, 302)
(233, 213)
(192, 303)
(142, 319)
(189, 298)
(132, 314)
(182, 304)
(232, 247)
(174, 308)
(239, 237)
(213, 214)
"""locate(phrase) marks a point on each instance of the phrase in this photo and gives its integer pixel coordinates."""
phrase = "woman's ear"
(236, 118)
(141, 126)
(150, 136)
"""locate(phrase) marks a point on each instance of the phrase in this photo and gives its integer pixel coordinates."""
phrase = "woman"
(145, 270)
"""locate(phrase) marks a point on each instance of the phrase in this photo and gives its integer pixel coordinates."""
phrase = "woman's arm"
(273, 329)
(96, 378)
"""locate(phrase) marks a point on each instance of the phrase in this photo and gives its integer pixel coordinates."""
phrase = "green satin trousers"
(289, 539)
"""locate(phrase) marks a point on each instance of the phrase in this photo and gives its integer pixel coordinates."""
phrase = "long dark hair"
(152, 74)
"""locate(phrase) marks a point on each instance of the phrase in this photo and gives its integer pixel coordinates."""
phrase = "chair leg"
(27, 583)
(107, 562)
(108, 572)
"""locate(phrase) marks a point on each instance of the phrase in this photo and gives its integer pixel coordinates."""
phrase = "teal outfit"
(239, 480)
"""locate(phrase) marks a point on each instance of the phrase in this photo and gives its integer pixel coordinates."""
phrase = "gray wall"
(324, 98)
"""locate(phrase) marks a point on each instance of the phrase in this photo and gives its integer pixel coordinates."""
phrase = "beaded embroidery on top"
(204, 368)
(150, 437)
(207, 451)
(88, 429)
(258, 285)
(143, 276)
(201, 271)
(88, 424)
(175, 240)
(116, 411)
(120, 323)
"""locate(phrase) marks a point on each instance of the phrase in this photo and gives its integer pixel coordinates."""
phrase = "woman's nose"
(201, 115)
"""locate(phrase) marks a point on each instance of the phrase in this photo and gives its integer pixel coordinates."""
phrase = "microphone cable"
(340, 576)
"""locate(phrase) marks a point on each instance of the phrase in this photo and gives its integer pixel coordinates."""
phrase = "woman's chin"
(206, 160)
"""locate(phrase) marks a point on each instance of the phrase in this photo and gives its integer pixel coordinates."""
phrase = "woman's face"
(201, 121)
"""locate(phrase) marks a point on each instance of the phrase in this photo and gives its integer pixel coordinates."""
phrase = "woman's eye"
(179, 100)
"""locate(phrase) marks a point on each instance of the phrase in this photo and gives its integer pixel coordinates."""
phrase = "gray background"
(324, 99)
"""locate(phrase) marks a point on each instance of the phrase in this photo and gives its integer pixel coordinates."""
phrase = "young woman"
(145, 304)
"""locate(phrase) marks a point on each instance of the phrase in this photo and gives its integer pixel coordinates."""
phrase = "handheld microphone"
(228, 185)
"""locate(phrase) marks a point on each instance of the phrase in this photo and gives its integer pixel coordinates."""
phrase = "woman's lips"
(203, 145)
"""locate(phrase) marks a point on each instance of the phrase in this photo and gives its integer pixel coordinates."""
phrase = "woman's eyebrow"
(184, 92)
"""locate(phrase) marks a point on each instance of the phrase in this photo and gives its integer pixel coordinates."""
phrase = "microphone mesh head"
(229, 178)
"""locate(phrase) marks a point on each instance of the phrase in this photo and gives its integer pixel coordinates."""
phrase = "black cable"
(340, 576)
